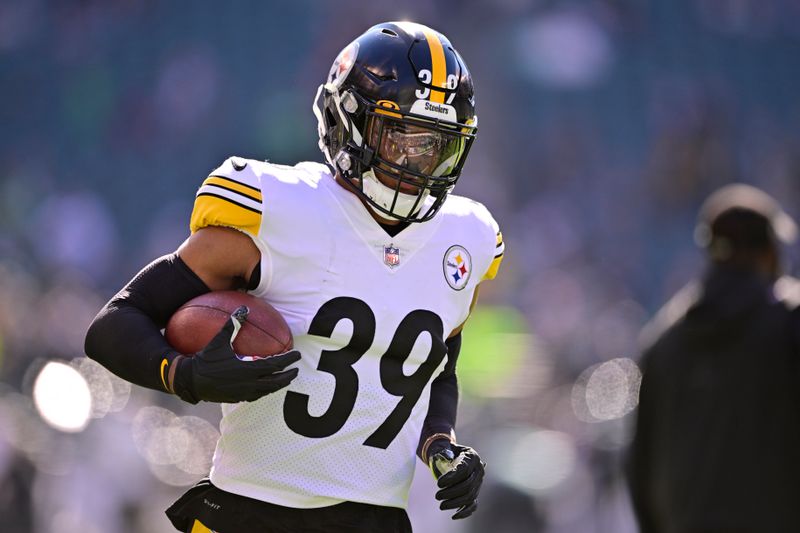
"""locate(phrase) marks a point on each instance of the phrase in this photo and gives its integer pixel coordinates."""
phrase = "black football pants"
(204, 508)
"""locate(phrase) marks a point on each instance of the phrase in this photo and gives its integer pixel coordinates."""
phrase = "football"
(196, 322)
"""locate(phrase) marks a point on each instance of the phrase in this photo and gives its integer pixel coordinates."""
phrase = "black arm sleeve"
(125, 335)
(443, 407)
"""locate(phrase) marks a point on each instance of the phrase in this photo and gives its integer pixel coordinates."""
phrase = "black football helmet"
(397, 119)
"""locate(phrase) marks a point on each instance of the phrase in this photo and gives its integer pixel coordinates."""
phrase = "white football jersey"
(369, 314)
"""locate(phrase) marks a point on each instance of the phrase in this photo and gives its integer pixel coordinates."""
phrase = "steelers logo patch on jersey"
(457, 267)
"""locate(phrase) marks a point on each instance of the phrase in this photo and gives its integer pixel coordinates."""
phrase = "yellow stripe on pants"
(198, 527)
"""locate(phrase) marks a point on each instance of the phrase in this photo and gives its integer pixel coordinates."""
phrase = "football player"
(374, 264)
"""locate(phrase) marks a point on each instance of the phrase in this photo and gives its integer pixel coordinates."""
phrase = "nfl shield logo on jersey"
(391, 255)
(457, 267)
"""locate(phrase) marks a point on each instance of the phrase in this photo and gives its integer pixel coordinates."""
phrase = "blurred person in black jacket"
(717, 442)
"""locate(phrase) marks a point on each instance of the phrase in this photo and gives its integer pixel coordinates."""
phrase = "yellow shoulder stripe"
(235, 186)
(493, 268)
(212, 210)
(499, 250)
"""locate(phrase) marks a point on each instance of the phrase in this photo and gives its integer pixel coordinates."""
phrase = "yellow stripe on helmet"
(438, 65)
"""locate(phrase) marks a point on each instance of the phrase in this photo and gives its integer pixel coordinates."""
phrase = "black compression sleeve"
(125, 335)
(443, 405)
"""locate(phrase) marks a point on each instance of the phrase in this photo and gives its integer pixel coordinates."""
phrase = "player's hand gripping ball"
(238, 363)
(459, 474)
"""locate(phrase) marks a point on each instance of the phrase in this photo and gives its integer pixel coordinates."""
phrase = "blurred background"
(603, 126)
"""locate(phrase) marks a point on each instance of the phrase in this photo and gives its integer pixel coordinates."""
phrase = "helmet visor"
(416, 148)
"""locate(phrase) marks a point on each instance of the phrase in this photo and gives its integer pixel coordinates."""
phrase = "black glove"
(459, 473)
(217, 374)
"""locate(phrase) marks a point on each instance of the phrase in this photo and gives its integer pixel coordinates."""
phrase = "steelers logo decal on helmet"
(457, 266)
(343, 64)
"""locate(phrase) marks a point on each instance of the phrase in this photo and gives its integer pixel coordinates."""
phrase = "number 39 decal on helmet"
(396, 119)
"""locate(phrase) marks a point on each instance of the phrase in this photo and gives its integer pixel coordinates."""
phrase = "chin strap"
(404, 205)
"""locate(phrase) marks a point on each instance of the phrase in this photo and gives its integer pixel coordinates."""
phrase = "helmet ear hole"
(329, 120)
(333, 134)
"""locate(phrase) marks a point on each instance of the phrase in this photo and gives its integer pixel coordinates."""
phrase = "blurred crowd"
(603, 126)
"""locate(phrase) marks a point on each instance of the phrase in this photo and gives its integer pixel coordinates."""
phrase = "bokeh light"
(607, 391)
(535, 460)
(20, 426)
(178, 450)
(62, 397)
(499, 357)
(109, 392)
